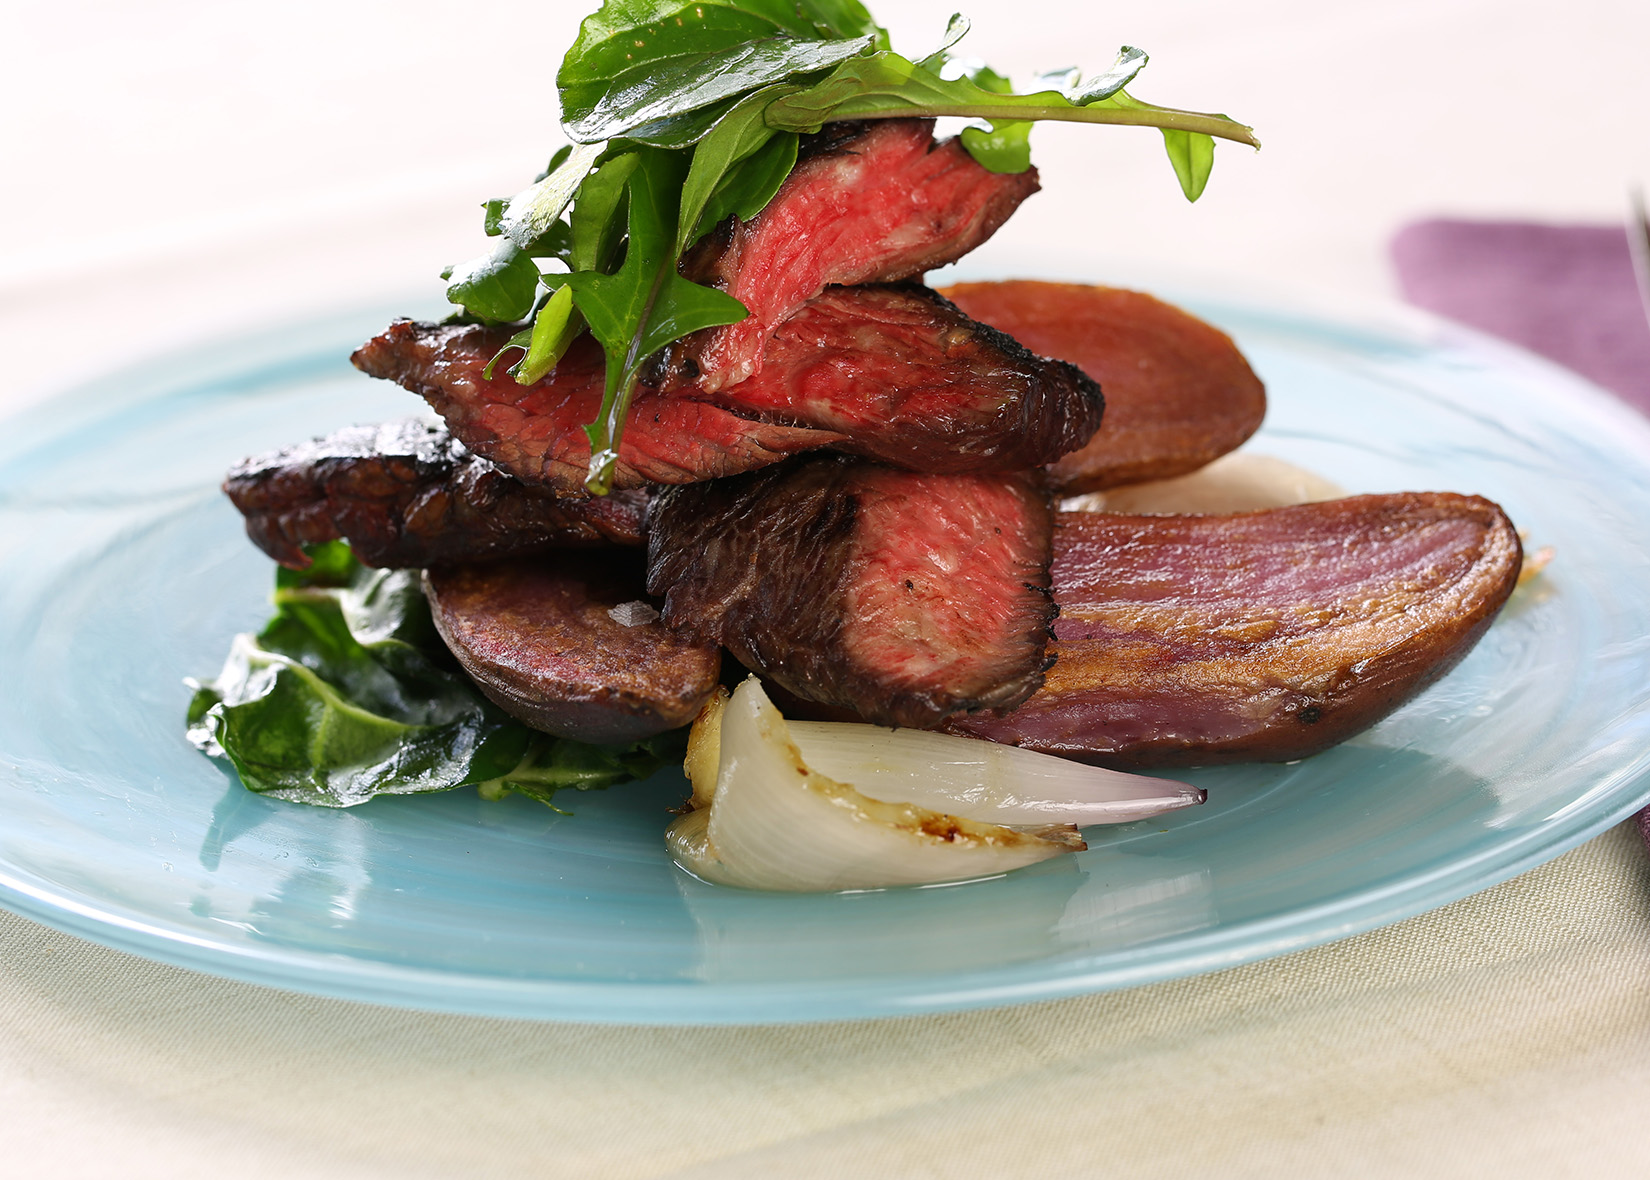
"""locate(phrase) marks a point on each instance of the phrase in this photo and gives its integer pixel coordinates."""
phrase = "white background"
(176, 169)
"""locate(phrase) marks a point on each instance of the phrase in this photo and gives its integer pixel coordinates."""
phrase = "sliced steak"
(905, 598)
(1264, 636)
(536, 432)
(907, 378)
(407, 495)
(868, 202)
(547, 639)
(892, 372)
(1178, 392)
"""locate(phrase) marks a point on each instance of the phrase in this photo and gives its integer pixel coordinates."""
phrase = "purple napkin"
(1564, 291)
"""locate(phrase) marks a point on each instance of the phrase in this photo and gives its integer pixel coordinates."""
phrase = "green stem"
(259, 657)
(1163, 117)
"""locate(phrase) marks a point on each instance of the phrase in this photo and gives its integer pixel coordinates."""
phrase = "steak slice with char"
(406, 495)
(905, 598)
(891, 372)
(536, 432)
(1178, 391)
(907, 378)
(1262, 636)
(565, 643)
(866, 203)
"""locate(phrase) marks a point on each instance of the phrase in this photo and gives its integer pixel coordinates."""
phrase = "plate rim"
(787, 1002)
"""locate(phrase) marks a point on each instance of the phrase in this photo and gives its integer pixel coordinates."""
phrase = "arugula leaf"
(348, 693)
(1130, 61)
(554, 329)
(497, 286)
(597, 225)
(531, 212)
(749, 185)
(955, 30)
(492, 218)
(737, 167)
(668, 87)
(1193, 156)
(629, 35)
(885, 85)
(1007, 146)
(645, 304)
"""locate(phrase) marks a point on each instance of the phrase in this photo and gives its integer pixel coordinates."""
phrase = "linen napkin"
(1565, 291)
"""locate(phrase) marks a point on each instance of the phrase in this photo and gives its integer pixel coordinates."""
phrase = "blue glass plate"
(125, 571)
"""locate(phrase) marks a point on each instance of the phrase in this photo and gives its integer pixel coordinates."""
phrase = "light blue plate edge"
(339, 977)
(684, 1004)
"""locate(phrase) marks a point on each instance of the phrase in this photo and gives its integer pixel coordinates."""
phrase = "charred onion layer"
(1264, 636)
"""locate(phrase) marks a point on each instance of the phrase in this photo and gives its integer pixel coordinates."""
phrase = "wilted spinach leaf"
(348, 693)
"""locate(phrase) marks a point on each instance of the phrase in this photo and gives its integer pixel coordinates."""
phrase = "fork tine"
(1638, 244)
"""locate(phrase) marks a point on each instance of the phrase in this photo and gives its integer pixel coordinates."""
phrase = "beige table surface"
(175, 171)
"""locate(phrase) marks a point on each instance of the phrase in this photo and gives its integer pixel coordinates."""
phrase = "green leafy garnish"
(645, 304)
(348, 693)
(686, 113)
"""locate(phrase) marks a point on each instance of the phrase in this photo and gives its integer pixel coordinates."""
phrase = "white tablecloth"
(175, 171)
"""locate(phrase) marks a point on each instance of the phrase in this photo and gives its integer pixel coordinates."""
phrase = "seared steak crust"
(406, 495)
(546, 638)
(1263, 636)
(891, 372)
(1178, 392)
(905, 598)
(536, 432)
(907, 378)
(869, 202)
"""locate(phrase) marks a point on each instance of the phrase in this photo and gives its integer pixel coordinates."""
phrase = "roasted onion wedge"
(984, 781)
(1261, 636)
(775, 823)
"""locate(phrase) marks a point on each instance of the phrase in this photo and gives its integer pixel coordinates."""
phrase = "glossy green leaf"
(554, 329)
(1193, 156)
(348, 693)
(748, 187)
(886, 85)
(532, 212)
(1006, 147)
(492, 218)
(627, 35)
(497, 286)
(597, 220)
(645, 304)
(663, 89)
(955, 30)
(1130, 61)
(549, 766)
(719, 182)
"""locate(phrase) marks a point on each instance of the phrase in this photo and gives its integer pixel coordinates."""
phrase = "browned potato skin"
(1178, 392)
(536, 637)
(1165, 658)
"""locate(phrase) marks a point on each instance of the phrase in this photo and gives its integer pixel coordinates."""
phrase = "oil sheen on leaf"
(348, 693)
